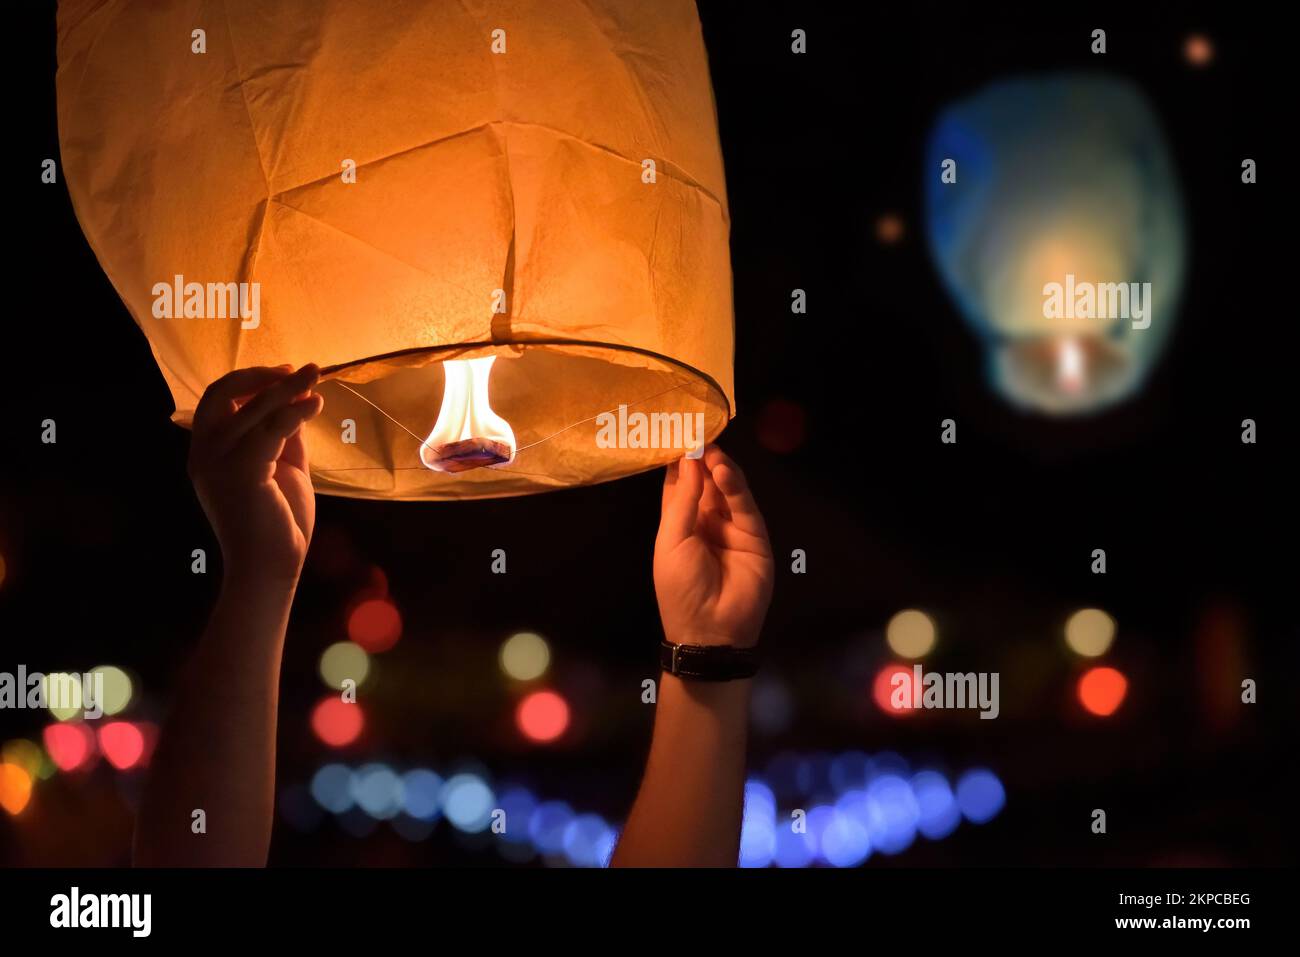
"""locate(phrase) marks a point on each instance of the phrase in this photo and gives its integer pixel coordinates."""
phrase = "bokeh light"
(518, 804)
(116, 689)
(122, 744)
(1102, 690)
(1089, 632)
(378, 791)
(525, 656)
(336, 722)
(980, 795)
(15, 788)
(548, 824)
(343, 661)
(26, 754)
(4, 570)
(63, 694)
(845, 842)
(889, 813)
(543, 716)
(793, 849)
(910, 633)
(889, 229)
(70, 744)
(588, 841)
(422, 794)
(375, 625)
(883, 690)
(1198, 50)
(938, 813)
(467, 802)
(331, 787)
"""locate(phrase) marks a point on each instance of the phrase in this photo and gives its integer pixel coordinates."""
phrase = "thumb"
(682, 493)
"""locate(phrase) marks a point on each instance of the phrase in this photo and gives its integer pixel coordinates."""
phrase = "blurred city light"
(891, 814)
(70, 745)
(467, 802)
(548, 824)
(518, 804)
(1198, 50)
(375, 625)
(883, 690)
(378, 791)
(938, 814)
(422, 792)
(1089, 632)
(1102, 690)
(980, 795)
(15, 788)
(336, 722)
(62, 693)
(342, 661)
(122, 744)
(910, 634)
(25, 754)
(543, 716)
(525, 656)
(793, 849)
(117, 688)
(588, 841)
(331, 787)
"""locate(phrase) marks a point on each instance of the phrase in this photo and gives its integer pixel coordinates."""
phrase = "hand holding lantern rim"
(248, 462)
(713, 563)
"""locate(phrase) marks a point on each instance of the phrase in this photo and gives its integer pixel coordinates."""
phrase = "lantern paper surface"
(502, 206)
(1063, 180)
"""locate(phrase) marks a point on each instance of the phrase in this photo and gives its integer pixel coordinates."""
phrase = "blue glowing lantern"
(1062, 238)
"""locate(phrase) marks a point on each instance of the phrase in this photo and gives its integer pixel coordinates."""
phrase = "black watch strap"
(708, 662)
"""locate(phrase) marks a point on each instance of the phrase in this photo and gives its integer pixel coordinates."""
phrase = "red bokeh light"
(336, 722)
(1102, 690)
(375, 625)
(543, 716)
(122, 744)
(883, 690)
(70, 744)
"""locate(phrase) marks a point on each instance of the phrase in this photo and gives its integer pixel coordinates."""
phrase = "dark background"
(992, 536)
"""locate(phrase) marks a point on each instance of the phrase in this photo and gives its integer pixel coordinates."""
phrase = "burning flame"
(468, 434)
(1070, 366)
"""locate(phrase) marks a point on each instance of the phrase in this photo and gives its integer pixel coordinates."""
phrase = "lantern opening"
(1066, 373)
(467, 434)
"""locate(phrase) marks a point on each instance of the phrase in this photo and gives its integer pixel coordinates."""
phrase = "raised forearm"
(688, 811)
(217, 749)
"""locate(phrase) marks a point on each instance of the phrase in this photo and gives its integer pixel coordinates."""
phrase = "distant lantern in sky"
(1059, 233)
(488, 224)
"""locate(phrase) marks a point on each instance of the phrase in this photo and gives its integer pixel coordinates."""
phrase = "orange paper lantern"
(381, 187)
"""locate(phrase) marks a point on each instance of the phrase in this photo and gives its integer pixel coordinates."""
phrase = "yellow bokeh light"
(15, 788)
(1089, 632)
(25, 754)
(116, 690)
(342, 661)
(62, 692)
(525, 656)
(910, 633)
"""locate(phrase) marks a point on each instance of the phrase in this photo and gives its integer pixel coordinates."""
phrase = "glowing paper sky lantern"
(1060, 180)
(388, 188)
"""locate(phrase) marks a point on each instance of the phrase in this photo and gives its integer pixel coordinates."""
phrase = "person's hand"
(248, 462)
(713, 564)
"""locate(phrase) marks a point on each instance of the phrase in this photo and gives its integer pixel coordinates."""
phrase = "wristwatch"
(708, 662)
